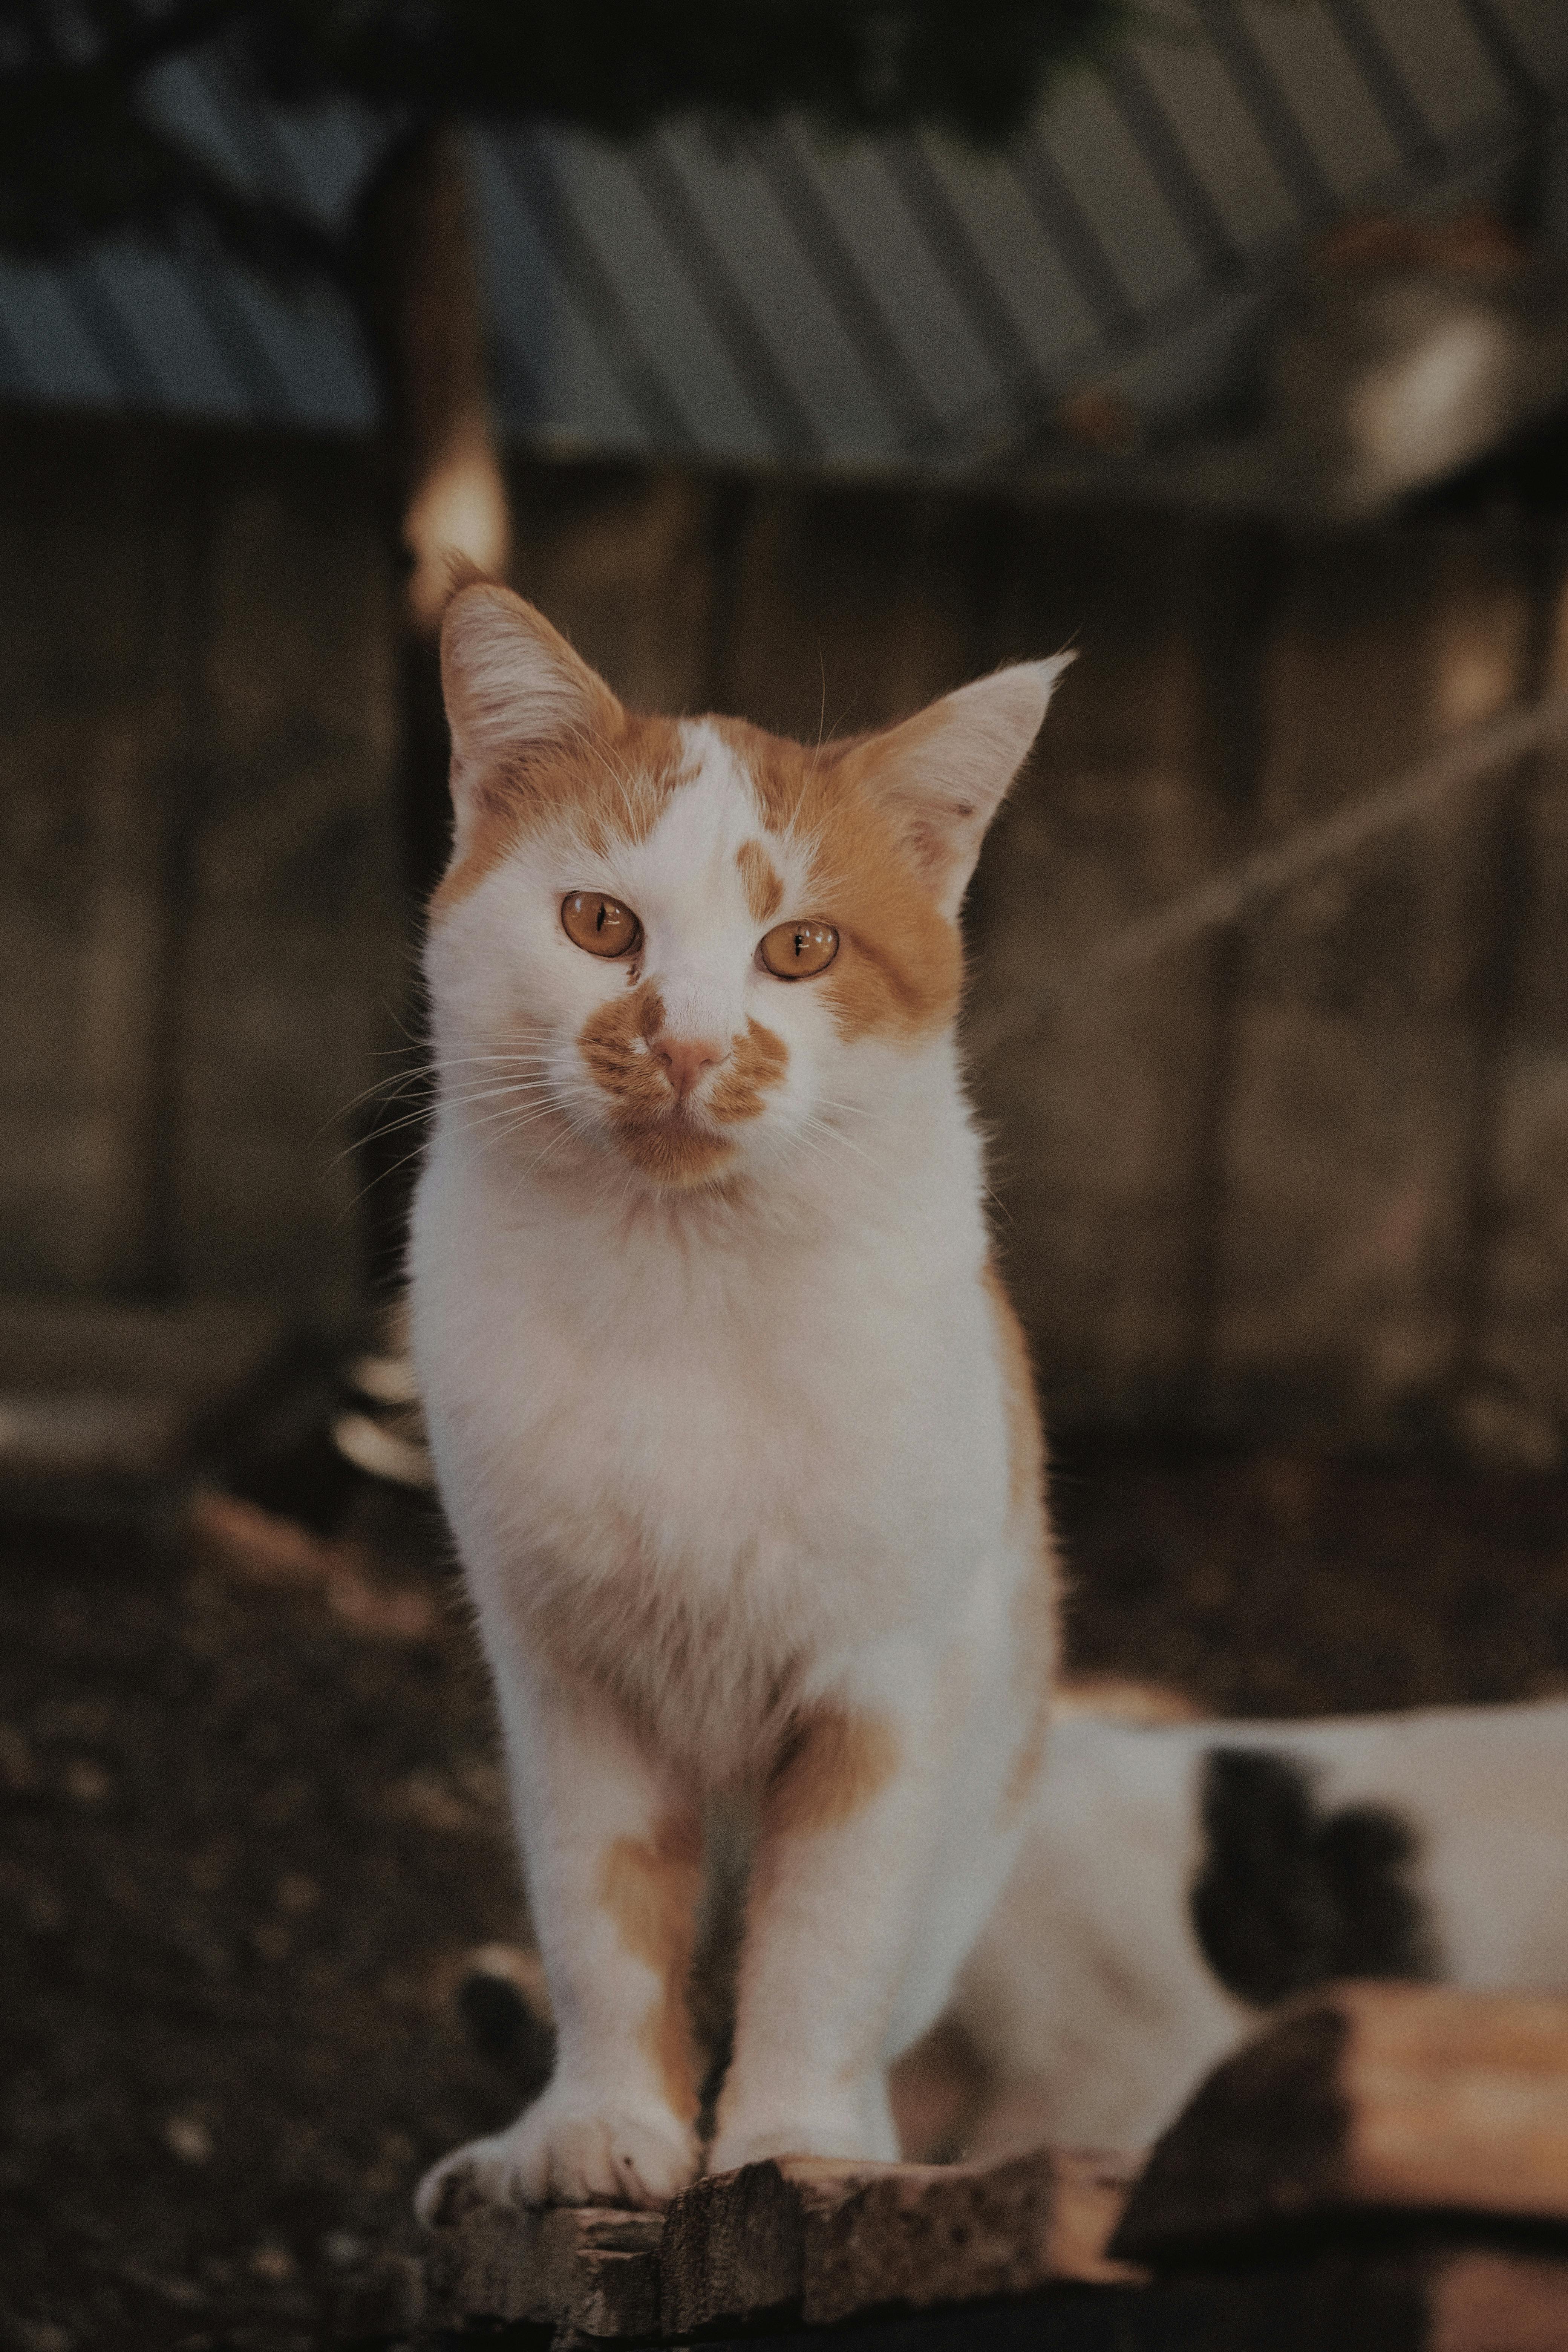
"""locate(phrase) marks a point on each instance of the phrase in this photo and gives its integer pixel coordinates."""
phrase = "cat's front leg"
(612, 1853)
(844, 1848)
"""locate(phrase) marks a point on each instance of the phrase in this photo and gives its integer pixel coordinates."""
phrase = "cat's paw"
(563, 2152)
(850, 2131)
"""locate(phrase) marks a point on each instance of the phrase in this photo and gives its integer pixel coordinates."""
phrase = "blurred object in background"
(721, 278)
(383, 1432)
(1412, 350)
(117, 1400)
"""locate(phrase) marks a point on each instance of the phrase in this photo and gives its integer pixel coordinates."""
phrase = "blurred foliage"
(82, 156)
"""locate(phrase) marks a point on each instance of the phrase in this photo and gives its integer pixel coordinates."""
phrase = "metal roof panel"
(937, 342)
(792, 304)
(41, 322)
(1025, 265)
(1330, 98)
(662, 308)
(843, 300)
(1448, 69)
(1210, 117)
(1113, 182)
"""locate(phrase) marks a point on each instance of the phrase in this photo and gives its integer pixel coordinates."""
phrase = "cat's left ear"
(512, 686)
(941, 776)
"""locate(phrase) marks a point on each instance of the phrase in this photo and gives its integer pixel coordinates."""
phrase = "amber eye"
(601, 925)
(797, 950)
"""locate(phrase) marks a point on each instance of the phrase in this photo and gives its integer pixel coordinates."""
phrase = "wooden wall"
(1311, 1175)
(195, 859)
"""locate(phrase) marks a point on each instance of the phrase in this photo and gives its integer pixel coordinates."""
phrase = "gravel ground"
(255, 1824)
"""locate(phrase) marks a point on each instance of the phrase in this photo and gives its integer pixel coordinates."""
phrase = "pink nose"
(685, 1059)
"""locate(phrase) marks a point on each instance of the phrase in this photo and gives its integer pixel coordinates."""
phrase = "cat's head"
(685, 944)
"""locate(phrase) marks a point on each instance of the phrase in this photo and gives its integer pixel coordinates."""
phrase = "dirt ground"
(254, 1825)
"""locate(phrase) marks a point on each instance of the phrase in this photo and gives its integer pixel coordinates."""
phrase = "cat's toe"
(556, 2154)
(478, 2174)
(638, 2159)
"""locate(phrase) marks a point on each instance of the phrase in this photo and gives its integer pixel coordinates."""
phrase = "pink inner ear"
(511, 681)
(942, 774)
(930, 844)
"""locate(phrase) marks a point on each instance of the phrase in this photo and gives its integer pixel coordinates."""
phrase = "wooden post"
(423, 310)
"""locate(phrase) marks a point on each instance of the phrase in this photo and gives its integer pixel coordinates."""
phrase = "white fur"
(755, 1441)
(507, 690)
(1088, 1996)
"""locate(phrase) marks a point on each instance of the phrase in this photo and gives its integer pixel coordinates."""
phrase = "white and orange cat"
(731, 1418)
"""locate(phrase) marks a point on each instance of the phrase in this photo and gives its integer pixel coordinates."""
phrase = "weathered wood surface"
(829, 2240)
(797, 2239)
(1387, 2163)
(1368, 2099)
(197, 913)
(1478, 2300)
(585, 2270)
(590, 2284)
(1348, 1159)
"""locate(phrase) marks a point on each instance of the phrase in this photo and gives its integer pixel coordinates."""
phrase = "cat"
(733, 1421)
(1180, 1878)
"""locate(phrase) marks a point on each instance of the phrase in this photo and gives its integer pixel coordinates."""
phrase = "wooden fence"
(1309, 1175)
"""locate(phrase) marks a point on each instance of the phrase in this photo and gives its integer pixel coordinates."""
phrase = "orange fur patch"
(900, 965)
(1034, 1605)
(612, 786)
(756, 1061)
(650, 1886)
(831, 1769)
(764, 891)
(616, 1044)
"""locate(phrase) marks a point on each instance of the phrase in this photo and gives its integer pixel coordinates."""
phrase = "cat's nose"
(685, 1059)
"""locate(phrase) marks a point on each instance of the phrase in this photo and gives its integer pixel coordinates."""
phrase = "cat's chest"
(725, 1417)
(717, 1404)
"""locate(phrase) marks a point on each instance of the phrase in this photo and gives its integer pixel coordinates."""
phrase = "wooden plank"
(1479, 2300)
(847, 607)
(1432, 2298)
(590, 2278)
(1348, 1132)
(830, 2240)
(617, 555)
(196, 850)
(1100, 1111)
(289, 939)
(1368, 2099)
(1515, 1404)
(94, 582)
(585, 2271)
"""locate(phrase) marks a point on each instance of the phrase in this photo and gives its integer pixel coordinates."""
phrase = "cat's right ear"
(513, 686)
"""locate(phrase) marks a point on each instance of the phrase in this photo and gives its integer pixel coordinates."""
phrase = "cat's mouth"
(678, 1145)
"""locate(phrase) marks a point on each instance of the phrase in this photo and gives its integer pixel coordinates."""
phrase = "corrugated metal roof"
(772, 294)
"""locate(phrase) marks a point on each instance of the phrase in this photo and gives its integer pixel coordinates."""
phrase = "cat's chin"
(677, 1155)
